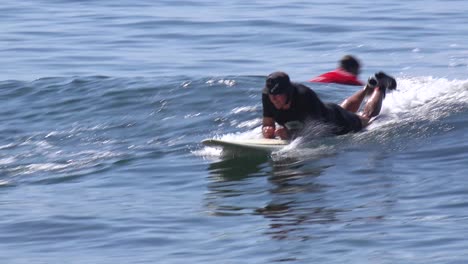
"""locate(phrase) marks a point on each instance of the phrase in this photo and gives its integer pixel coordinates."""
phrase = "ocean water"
(105, 103)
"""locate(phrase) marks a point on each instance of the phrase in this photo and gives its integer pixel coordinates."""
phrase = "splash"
(422, 99)
(302, 148)
(217, 152)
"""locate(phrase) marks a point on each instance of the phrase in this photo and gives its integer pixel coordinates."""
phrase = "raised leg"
(353, 103)
(374, 104)
(377, 85)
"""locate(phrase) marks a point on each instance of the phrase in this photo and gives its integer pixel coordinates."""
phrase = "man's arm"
(269, 130)
(268, 127)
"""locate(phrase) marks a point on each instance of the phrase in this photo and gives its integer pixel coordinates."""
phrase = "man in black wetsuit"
(293, 106)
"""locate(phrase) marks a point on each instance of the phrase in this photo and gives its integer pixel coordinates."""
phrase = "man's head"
(279, 89)
(350, 64)
(278, 83)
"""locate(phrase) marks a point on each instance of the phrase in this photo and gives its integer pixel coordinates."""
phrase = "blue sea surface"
(105, 104)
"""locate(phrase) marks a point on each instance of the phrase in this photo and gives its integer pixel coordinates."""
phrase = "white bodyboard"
(265, 144)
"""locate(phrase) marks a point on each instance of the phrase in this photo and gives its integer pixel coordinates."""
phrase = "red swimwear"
(337, 76)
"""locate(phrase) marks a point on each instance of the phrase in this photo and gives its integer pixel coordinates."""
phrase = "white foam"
(225, 82)
(208, 152)
(244, 109)
(422, 98)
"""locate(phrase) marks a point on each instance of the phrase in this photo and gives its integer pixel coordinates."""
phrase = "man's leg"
(353, 103)
(373, 105)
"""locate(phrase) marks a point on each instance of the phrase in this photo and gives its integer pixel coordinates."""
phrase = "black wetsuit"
(306, 107)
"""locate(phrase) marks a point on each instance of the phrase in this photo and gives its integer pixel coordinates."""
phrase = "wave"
(417, 103)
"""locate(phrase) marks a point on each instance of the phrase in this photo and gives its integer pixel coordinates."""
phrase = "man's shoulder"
(305, 93)
(302, 89)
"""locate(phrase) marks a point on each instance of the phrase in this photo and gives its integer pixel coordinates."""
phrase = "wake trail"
(423, 99)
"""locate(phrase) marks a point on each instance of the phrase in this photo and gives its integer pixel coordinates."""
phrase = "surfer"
(346, 73)
(294, 106)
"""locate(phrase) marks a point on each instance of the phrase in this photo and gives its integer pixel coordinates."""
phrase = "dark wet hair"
(350, 64)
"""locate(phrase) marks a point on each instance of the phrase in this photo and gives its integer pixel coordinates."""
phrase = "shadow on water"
(284, 191)
(239, 164)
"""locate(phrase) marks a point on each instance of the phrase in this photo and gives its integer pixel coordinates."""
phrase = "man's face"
(279, 100)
